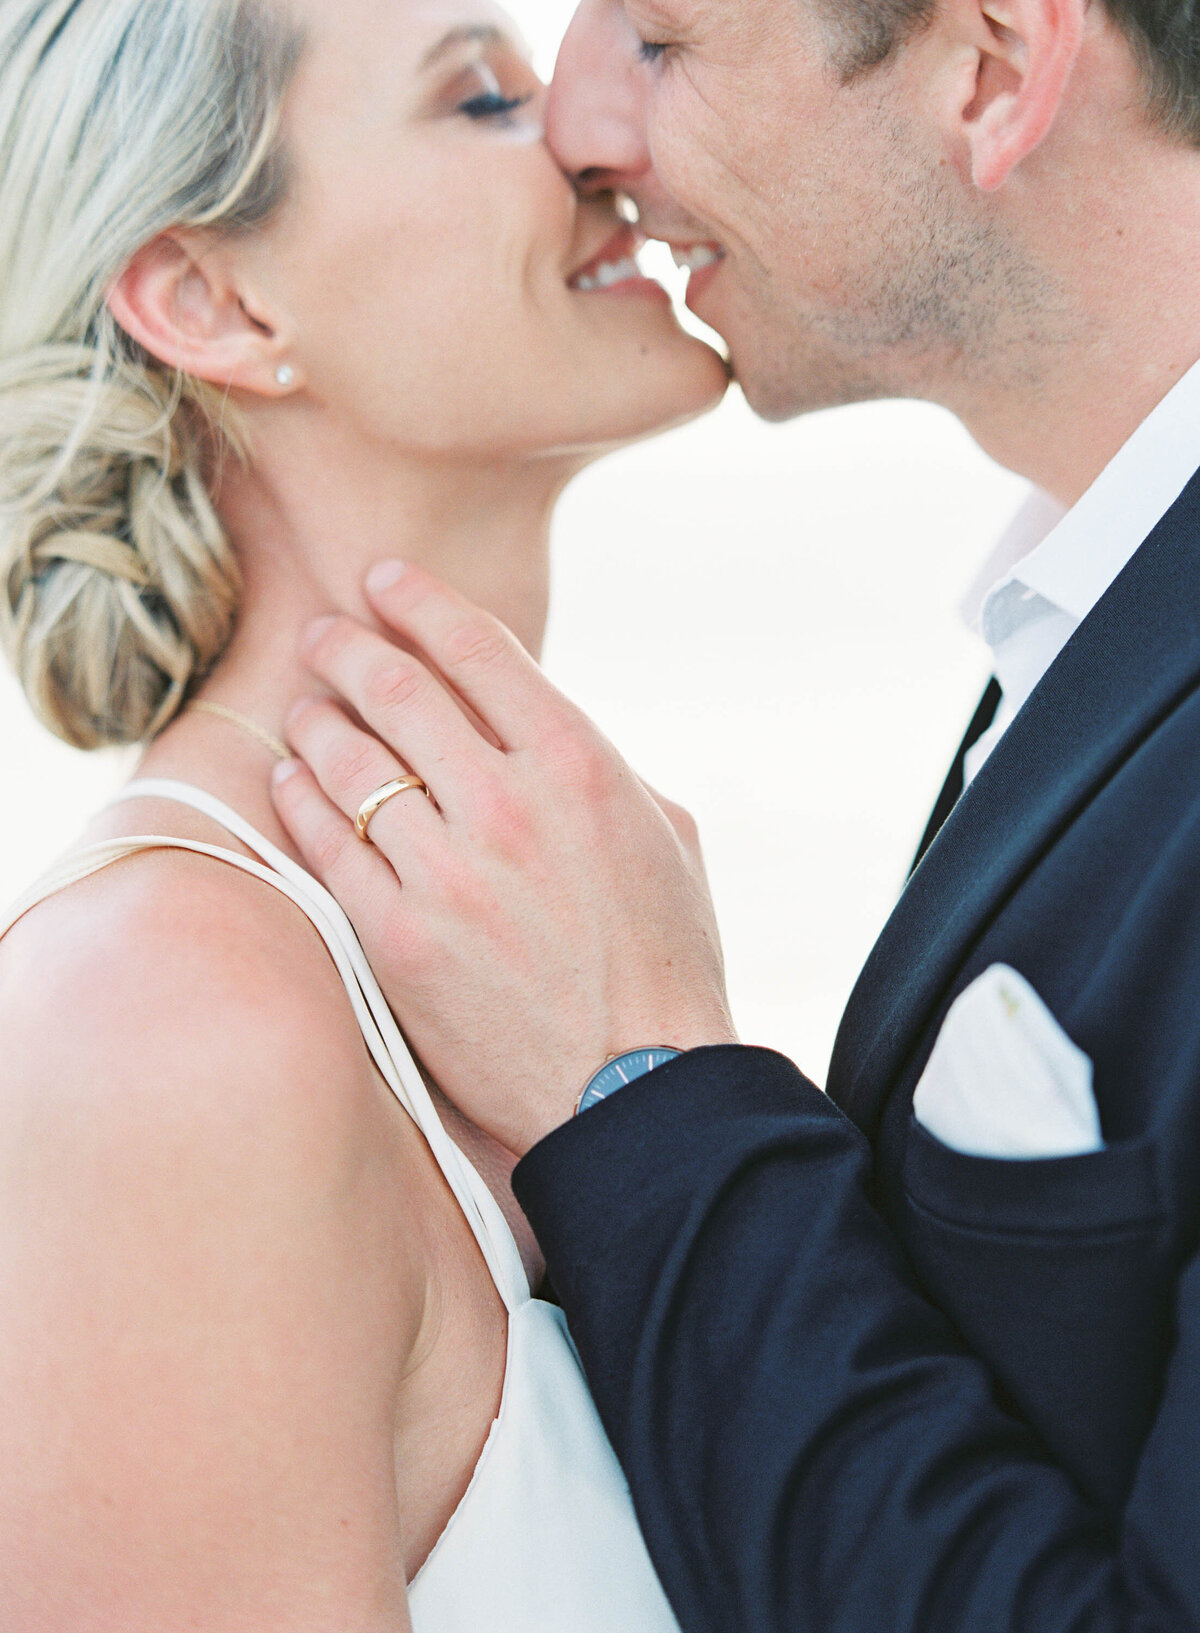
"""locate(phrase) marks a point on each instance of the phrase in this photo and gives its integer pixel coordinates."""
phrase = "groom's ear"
(1024, 52)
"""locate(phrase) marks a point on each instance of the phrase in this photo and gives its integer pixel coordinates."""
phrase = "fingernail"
(384, 574)
(316, 629)
(284, 772)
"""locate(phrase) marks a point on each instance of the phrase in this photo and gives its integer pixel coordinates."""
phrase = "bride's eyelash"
(651, 50)
(491, 105)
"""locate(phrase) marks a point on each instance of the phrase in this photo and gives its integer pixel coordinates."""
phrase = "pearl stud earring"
(285, 374)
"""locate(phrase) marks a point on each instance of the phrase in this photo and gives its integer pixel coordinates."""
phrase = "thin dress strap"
(380, 1032)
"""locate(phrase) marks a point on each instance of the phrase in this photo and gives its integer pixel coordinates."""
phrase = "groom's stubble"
(922, 297)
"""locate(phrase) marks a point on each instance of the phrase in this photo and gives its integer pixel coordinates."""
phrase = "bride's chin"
(628, 406)
(690, 385)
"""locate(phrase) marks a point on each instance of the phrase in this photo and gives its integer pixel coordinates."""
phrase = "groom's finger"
(406, 707)
(481, 659)
(332, 851)
(350, 765)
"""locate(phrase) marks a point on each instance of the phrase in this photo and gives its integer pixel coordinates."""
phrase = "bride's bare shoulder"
(213, 1265)
(173, 986)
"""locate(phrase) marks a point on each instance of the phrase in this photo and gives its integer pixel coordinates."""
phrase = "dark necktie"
(955, 782)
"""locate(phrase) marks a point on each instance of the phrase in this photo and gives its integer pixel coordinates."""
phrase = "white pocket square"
(1004, 1079)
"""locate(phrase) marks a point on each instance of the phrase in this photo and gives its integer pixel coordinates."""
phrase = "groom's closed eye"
(657, 27)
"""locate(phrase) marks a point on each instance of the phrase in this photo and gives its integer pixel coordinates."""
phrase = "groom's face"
(853, 259)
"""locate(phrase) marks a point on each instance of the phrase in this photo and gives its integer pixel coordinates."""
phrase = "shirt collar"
(1069, 559)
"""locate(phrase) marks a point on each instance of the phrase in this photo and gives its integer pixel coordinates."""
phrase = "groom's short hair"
(1164, 34)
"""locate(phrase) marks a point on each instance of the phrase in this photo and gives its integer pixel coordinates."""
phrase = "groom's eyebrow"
(471, 34)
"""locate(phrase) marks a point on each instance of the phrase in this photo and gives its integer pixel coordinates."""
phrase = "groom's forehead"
(747, 20)
(701, 14)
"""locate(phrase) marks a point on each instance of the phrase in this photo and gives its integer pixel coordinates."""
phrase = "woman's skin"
(251, 1352)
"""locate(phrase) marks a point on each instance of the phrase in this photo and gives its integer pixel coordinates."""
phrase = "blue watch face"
(625, 1069)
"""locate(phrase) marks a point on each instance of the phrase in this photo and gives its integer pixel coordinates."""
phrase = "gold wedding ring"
(373, 802)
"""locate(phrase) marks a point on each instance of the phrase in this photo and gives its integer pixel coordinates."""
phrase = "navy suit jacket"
(861, 1383)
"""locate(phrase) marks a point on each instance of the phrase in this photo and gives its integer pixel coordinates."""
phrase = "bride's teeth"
(617, 272)
(696, 257)
(609, 273)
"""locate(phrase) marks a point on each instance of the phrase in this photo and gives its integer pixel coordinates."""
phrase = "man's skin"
(992, 220)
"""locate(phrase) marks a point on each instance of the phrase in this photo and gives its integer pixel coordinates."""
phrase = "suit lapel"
(1124, 670)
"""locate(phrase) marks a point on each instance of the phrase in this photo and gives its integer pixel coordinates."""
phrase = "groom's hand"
(544, 911)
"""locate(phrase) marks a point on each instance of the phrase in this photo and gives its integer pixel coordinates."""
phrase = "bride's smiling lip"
(613, 269)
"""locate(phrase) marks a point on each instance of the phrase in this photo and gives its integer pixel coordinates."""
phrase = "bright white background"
(764, 620)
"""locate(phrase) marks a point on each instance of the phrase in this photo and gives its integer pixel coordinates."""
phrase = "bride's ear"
(1025, 51)
(181, 300)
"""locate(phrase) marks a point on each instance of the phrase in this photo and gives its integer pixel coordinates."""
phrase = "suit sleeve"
(809, 1445)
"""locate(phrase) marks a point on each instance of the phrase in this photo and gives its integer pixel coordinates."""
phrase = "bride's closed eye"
(491, 90)
(493, 105)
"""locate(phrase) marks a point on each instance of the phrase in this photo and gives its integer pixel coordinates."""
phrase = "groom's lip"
(699, 282)
(704, 259)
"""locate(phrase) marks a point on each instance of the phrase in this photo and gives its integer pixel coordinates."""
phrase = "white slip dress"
(545, 1539)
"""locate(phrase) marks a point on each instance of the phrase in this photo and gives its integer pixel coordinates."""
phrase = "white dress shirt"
(1051, 567)
(1004, 1079)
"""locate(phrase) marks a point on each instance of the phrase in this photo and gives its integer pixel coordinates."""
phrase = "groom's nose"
(596, 114)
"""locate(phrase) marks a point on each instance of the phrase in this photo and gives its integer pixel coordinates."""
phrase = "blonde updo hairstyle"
(118, 119)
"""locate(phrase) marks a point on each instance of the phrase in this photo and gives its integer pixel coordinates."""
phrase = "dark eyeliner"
(491, 105)
(651, 51)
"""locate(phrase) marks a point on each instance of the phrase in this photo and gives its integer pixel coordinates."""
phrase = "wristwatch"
(623, 1069)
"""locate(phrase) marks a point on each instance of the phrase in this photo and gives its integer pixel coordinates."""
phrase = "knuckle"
(459, 890)
(394, 686)
(683, 822)
(477, 644)
(506, 832)
(581, 767)
(355, 769)
(327, 850)
(499, 813)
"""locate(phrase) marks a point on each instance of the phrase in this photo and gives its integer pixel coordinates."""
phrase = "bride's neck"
(307, 525)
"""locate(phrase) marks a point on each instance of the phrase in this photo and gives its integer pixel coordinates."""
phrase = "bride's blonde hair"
(118, 119)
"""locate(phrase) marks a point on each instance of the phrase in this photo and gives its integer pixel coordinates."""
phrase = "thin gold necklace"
(260, 734)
